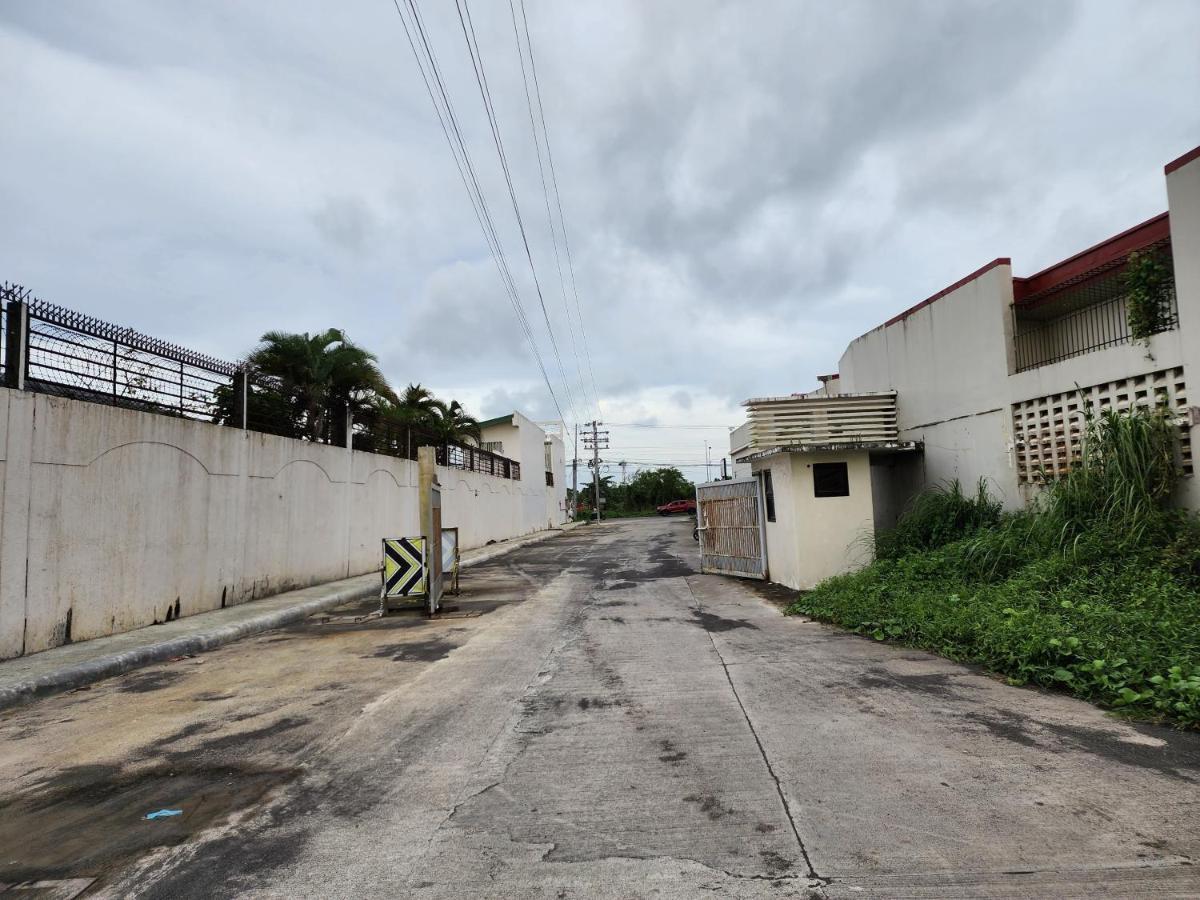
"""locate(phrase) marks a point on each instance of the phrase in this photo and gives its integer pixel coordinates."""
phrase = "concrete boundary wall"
(113, 519)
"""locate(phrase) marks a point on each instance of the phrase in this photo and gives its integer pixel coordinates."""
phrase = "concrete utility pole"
(594, 440)
(707, 463)
(575, 476)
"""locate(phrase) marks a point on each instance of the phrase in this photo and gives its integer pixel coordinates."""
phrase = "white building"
(539, 449)
(985, 379)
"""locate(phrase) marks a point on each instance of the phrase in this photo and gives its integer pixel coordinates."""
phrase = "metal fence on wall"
(1090, 314)
(53, 350)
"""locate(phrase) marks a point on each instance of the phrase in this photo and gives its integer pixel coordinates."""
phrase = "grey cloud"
(747, 187)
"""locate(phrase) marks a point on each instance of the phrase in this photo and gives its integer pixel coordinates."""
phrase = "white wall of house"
(949, 362)
(525, 441)
(783, 534)
(1183, 202)
(112, 516)
(952, 363)
(814, 538)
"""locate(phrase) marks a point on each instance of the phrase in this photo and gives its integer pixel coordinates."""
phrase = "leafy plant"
(1095, 590)
(937, 517)
(1149, 285)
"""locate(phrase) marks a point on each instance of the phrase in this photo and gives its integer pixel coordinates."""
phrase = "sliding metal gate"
(733, 539)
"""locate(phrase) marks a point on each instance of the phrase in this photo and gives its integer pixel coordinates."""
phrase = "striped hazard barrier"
(403, 567)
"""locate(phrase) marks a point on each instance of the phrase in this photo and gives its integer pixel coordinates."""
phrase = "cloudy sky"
(746, 186)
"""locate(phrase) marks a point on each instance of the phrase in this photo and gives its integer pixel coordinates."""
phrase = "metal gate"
(733, 540)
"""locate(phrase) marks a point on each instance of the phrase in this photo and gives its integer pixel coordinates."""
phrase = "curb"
(80, 674)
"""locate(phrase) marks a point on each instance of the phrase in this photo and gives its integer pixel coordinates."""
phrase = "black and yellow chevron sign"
(403, 567)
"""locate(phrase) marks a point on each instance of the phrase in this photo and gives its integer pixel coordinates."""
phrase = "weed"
(1094, 590)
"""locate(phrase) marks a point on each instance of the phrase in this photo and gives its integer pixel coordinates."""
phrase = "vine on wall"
(1148, 285)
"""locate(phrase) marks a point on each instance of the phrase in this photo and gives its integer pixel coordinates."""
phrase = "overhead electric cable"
(558, 199)
(468, 30)
(537, 146)
(458, 149)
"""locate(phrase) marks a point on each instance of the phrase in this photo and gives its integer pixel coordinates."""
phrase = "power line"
(646, 425)
(558, 200)
(537, 146)
(466, 170)
(468, 30)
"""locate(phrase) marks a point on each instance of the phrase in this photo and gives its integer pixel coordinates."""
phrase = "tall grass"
(935, 518)
(1094, 589)
(1115, 492)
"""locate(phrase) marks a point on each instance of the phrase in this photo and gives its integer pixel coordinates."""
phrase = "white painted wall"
(814, 538)
(950, 362)
(113, 516)
(1183, 200)
(783, 541)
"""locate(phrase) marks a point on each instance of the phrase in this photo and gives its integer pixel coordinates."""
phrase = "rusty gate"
(729, 517)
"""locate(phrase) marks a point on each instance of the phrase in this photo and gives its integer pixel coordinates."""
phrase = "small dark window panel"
(769, 493)
(831, 480)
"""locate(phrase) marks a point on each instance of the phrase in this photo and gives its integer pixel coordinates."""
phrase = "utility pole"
(707, 463)
(622, 464)
(575, 476)
(594, 440)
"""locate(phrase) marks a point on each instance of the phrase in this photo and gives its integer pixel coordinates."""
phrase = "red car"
(677, 507)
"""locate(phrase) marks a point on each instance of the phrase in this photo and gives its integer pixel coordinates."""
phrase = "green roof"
(499, 420)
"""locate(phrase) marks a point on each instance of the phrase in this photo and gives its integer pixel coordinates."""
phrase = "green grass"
(1095, 590)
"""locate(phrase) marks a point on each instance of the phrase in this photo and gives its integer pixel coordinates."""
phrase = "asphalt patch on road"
(709, 805)
(943, 685)
(143, 682)
(87, 821)
(670, 754)
(712, 622)
(427, 651)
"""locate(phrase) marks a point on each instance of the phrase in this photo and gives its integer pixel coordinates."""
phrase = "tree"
(654, 487)
(453, 423)
(416, 417)
(321, 377)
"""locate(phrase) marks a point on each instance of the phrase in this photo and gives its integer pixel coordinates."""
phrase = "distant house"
(540, 450)
(986, 379)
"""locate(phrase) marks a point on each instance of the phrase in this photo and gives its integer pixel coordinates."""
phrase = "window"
(830, 480)
(494, 447)
(549, 479)
(769, 493)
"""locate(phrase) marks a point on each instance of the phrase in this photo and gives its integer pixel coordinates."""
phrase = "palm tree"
(456, 424)
(322, 375)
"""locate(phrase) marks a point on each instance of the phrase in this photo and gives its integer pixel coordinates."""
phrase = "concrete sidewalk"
(75, 665)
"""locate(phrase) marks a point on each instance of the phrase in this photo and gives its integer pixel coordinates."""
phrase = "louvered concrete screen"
(844, 420)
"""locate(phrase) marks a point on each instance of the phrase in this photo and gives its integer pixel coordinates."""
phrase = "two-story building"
(986, 379)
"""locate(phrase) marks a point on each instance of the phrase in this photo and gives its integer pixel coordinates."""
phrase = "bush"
(937, 517)
(1095, 590)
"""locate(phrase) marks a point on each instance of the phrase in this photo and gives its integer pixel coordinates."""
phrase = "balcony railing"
(1088, 314)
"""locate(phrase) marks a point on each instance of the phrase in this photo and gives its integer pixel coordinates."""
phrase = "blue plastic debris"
(164, 813)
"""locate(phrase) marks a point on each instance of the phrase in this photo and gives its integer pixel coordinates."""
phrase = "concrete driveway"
(597, 720)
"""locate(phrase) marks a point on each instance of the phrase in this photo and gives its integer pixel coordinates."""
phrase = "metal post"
(115, 352)
(17, 351)
(245, 398)
(181, 389)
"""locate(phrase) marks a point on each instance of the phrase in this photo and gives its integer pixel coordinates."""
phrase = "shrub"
(937, 517)
(1094, 590)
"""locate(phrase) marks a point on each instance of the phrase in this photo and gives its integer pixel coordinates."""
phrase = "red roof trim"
(1107, 251)
(1188, 157)
(1001, 261)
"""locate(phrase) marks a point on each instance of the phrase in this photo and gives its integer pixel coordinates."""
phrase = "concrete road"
(597, 720)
